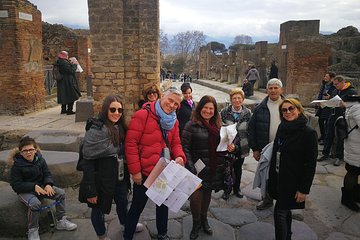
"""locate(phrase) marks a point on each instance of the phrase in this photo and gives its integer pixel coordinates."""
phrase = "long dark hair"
(117, 136)
(196, 116)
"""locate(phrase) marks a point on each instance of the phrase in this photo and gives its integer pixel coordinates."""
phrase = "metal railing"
(49, 81)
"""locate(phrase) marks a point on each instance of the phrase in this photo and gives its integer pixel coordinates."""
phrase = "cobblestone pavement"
(324, 217)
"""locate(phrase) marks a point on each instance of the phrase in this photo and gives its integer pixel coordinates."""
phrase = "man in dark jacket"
(344, 90)
(263, 126)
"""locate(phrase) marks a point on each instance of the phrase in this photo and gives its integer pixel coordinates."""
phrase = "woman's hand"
(49, 190)
(179, 160)
(137, 178)
(300, 197)
(92, 200)
(231, 147)
(39, 190)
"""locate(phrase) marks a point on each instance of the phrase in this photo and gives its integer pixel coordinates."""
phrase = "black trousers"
(282, 219)
(237, 168)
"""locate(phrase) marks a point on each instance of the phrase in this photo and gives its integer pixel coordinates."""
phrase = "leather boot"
(63, 109)
(70, 109)
(194, 234)
(347, 199)
(205, 225)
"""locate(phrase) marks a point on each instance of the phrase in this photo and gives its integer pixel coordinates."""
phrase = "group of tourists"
(171, 125)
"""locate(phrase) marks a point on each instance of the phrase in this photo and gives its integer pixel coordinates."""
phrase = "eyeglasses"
(289, 109)
(113, 110)
(149, 93)
(28, 150)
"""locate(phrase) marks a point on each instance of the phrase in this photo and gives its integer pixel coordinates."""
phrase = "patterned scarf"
(214, 139)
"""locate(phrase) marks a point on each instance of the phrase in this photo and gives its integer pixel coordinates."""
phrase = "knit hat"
(185, 86)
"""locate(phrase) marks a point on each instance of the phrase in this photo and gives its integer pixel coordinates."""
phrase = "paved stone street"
(324, 217)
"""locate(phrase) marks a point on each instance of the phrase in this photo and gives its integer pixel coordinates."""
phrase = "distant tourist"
(273, 70)
(253, 76)
(31, 179)
(246, 87)
(67, 88)
(187, 106)
(150, 93)
(292, 165)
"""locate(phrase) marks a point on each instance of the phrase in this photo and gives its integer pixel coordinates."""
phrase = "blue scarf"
(167, 121)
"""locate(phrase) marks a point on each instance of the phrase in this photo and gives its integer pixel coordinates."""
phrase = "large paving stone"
(249, 192)
(220, 230)
(115, 231)
(56, 140)
(61, 164)
(351, 225)
(174, 229)
(301, 231)
(256, 231)
(341, 236)
(234, 217)
(13, 214)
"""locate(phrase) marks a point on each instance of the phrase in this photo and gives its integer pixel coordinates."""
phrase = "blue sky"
(225, 18)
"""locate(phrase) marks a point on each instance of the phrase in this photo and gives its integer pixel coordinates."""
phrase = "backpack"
(56, 72)
(79, 165)
(341, 128)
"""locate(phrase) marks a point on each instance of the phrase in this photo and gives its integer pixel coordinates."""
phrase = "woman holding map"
(200, 139)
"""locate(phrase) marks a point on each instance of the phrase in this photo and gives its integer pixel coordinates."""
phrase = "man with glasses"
(153, 133)
(263, 126)
(343, 90)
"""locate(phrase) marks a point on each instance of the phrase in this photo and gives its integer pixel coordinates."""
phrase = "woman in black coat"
(200, 139)
(187, 105)
(105, 173)
(67, 88)
(292, 166)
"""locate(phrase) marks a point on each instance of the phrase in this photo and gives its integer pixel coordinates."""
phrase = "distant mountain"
(326, 32)
(228, 40)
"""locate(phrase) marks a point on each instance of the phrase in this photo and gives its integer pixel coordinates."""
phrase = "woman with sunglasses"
(292, 166)
(105, 173)
(151, 93)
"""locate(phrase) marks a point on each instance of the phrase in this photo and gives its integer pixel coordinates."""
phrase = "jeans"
(330, 135)
(237, 166)
(282, 219)
(33, 202)
(137, 206)
(121, 201)
(323, 127)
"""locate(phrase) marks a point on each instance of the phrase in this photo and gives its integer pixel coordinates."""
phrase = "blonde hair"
(294, 102)
(237, 91)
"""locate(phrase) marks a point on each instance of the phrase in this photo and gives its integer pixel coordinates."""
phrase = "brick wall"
(125, 48)
(307, 64)
(21, 77)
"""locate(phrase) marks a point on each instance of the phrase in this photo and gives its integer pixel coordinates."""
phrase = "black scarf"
(288, 128)
(214, 139)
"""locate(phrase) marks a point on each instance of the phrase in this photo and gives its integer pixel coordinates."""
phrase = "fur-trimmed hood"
(14, 152)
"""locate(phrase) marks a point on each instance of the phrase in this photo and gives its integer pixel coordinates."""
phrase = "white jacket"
(262, 170)
(352, 142)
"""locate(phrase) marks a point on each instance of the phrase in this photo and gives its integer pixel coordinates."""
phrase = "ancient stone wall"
(307, 64)
(21, 78)
(125, 48)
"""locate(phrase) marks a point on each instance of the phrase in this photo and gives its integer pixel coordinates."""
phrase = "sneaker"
(337, 162)
(139, 227)
(163, 237)
(64, 224)
(33, 234)
(323, 158)
(264, 205)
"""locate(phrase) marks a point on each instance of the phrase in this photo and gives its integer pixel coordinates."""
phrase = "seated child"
(31, 179)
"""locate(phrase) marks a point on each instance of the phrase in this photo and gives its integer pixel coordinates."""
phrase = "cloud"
(223, 18)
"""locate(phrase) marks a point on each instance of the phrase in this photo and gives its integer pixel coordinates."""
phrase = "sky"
(259, 19)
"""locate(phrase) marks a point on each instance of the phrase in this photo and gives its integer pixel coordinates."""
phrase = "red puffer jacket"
(144, 141)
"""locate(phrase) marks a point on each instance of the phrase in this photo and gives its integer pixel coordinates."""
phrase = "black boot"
(205, 225)
(194, 234)
(63, 109)
(70, 109)
(347, 199)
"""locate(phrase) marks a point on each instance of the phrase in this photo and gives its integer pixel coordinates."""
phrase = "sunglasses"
(28, 150)
(289, 109)
(149, 93)
(113, 110)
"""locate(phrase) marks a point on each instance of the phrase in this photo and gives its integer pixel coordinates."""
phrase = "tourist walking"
(67, 87)
(273, 70)
(292, 166)
(31, 179)
(200, 139)
(240, 115)
(153, 132)
(105, 174)
(263, 126)
(253, 76)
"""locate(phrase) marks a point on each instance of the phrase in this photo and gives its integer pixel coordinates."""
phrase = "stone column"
(125, 48)
(22, 77)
